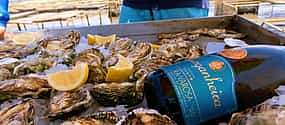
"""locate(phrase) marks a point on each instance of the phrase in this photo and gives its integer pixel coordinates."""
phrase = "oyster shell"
(26, 86)
(60, 47)
(18, 51)
(151, 65)
(69, 102)
(69, 41)
(33, 66)
(167, 54)
(218, 33)
(126, 93)
(179, 51)
(141, 52)
(262, 114)
(6, 70)
(143, 116)
(122, 46)
(100, 118)
(169, 38)
(94, 59)
(15, 69)
(19, 114)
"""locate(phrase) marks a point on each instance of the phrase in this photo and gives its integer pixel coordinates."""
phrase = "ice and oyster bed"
(148, 32)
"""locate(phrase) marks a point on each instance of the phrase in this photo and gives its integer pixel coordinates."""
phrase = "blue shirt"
(165, 4)
(4, 14)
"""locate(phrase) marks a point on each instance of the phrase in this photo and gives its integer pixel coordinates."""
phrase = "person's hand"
(2, 32)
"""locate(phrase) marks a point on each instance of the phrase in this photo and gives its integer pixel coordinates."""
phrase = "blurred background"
(31, 15)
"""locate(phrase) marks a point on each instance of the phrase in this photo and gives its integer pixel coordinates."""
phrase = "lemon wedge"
(91, 39)
(154, 46)
(69, 79)
(121, 71)
(100, 40)
(23, 39)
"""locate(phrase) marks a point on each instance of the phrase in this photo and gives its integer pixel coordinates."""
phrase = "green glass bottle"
(209, 89)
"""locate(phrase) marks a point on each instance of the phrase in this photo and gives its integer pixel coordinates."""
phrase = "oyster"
(24, 86)
(18, 51)
(19, 114)
(141, 52)
(111, 61)
(264, 114)
(60, 47)
(122, 46)
(6, 70)
(170, 38)
(126, 93)
(151, 65)
(69, 41)
(94, 59)
(33, 66)
(218, 33)
(167, 54)
(143, 116)
(178, 51)
(66, 103)
(100, 118)
(6, 46)
(15, 69)
(201, 31)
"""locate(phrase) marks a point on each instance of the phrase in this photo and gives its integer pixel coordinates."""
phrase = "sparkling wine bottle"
(209, 89)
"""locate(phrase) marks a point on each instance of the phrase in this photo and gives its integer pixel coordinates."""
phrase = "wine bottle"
(214, 86)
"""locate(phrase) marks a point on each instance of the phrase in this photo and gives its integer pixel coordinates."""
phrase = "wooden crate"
(243, 6)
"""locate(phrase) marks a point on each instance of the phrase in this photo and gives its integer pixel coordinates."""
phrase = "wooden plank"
(276, 1)
(219, 7)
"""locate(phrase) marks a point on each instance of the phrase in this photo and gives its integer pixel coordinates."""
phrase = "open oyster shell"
(94, 58)
(62, 48)
(143, 116)
(26, 86)
(100, 118)
(13, 51)
(261, 115)
(69, 102)
(19, 114)
(126, 93)
(19, 68)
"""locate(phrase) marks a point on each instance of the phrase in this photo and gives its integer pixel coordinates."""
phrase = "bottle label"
(204, 87)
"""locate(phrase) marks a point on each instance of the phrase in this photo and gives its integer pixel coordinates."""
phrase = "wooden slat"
(276, 1)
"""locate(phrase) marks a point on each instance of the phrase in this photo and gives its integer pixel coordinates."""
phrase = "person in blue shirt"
(4, 17)
(148, 10)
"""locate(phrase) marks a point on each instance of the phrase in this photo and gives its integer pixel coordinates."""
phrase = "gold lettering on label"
(215, 79)
(210, 83)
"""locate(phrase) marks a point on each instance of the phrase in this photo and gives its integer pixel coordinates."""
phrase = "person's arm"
(4, 17)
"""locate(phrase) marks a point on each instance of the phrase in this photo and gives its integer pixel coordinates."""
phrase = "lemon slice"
(69, 79)
(121, 71)
(91, 39)
(23, 39)
(154, 46)
(100, 40)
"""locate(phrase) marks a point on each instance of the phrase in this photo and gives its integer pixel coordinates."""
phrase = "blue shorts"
(129, 14)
